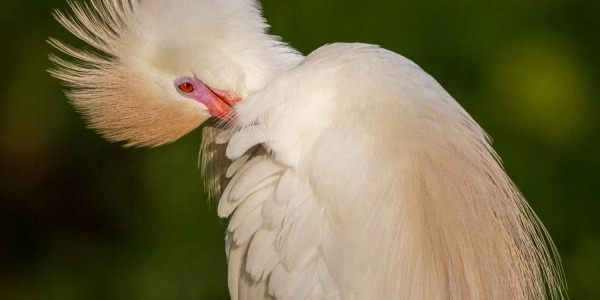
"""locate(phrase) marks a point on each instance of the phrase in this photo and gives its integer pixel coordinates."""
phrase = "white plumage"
(386, 181)
(354, 175)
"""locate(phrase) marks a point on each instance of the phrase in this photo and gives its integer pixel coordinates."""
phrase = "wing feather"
(249, 225)
(224, 202)
(236, 165)
(262, 256)
(253, 178)
(281, 280)
(245, 138)
(273, 213)
(249, 205)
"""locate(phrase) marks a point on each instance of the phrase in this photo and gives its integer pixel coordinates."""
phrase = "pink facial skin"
(218, 102)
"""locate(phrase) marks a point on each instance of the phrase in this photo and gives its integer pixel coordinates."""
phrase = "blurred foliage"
(84, 219)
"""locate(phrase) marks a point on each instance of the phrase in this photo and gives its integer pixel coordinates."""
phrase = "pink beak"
(223, 103)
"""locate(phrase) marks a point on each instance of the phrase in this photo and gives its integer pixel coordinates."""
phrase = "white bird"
(354, 174)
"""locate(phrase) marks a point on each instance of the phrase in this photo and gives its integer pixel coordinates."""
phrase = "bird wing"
(371, 182)
(274, 232)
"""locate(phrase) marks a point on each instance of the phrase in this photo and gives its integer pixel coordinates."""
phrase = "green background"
(81, 218)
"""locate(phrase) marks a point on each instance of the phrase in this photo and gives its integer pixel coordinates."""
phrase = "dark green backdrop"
(84, 219)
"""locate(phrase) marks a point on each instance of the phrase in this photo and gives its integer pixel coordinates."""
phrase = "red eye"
(186, 87)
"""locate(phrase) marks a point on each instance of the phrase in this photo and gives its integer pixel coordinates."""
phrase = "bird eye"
(186, 87)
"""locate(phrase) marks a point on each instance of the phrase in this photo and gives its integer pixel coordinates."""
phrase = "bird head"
(159, 68)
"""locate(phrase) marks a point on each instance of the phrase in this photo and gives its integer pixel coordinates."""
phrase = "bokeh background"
(81, 218)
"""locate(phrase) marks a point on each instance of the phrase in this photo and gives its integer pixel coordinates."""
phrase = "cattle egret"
(346, 174)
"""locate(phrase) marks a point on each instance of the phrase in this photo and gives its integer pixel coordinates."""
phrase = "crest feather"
(119, 99)
(123, 85)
